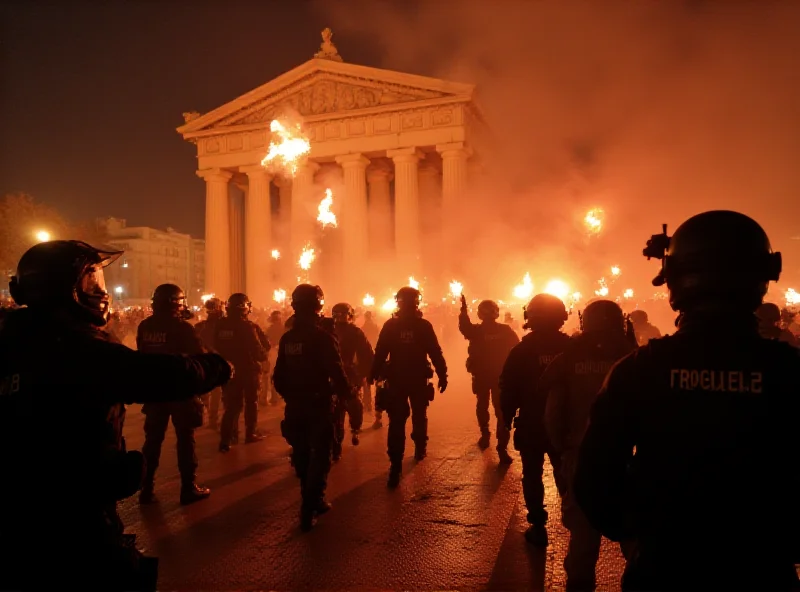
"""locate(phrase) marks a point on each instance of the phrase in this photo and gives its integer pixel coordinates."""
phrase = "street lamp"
(42, 236)
(119, 290)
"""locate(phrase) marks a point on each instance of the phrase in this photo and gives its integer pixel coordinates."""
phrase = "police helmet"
(275, 316)
(408, 298)
(602, 315)
(545, 311)
(343, 313)
(239, 305)
(488, 310)
(769, 313)
(368, 316)
(169, 299)
(213, 305)
(308, 298)
(638, 317)
(64, 273)
(716, 256)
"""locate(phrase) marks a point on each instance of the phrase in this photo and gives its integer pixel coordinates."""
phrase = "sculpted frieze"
(319, 96)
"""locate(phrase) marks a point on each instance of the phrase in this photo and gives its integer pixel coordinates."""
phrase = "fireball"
(368, 300)
(276, 254)
(593, 221)
(389, 305)
(456, 289)
(284, 153)
(628, 293)
(307, 258)
(792, 297)
(603, 289)
(557, 288)
(524, 290)
(325, 216)
(413, 283)
(279, 296)
(615, 270)
(206, 297)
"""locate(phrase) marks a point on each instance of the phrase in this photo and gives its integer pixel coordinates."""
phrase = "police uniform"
(645, 332)
(275, 331)
(243, 344)
(308, 375)
(371, 331)
(357, 356)
(407, 341)
(206, 330)
(572, 381)
(490, 343)
(159, 334)
(518, 391)
(54, 373)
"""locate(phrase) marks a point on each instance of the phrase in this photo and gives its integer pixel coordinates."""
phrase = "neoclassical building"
(400, 144)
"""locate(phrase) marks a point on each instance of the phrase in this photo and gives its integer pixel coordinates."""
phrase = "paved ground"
(455, 523)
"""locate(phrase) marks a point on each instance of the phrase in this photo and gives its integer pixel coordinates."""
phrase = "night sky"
(93, 91)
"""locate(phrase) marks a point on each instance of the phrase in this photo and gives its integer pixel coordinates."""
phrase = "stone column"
(218, 248)
(284, 218)
(236, 215)
(258, 235)
(454, 181)
(406, 209)
(430, 224)
(355, 221)
(303, 211)
(381, 227)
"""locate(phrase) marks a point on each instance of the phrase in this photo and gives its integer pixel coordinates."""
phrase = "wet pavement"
(455, 523)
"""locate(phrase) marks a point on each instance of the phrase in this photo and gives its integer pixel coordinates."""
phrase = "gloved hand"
(442, 384)
(463, 302)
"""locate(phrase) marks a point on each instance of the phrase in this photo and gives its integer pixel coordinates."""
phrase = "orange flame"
(593, 221)
(456, 289)
(284, 154)
(307, 258)
(525, 289)
(279, 296)
(368, 300)
(325, 216)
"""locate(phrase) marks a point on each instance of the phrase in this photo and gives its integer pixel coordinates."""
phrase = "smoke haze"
(653, 111)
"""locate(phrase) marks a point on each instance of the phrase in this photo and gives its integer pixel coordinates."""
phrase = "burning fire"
(326, 217)
(413, 283)
(603, 289)
(279, 296)
(285, 153)
(368, 300)
(456, 289)
(276, 254)
(557, 288)
(307, 258)
(524, 290)
(792, 297)
(206, 297)
(615, 270)
(576, 297)
(593, 221)
(628, 293)
(389, 305)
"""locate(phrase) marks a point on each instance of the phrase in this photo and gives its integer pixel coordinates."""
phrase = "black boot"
(307, 519)
(504, 456)
(536, 535)
(255, 436)
(394, 475)
(483, 443)
(354, 439)
(146, 495)
(191, 492)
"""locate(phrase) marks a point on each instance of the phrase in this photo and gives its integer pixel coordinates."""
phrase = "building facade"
(398, 143)
(152, 257)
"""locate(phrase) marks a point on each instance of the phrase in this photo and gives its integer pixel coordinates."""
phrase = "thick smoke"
(653, 111)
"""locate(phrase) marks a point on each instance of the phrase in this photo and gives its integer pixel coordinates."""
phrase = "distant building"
(152, 257)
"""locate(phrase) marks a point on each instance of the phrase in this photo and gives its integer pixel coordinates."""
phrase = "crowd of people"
(650, 437)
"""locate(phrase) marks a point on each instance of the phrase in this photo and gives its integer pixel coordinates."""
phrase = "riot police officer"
(371, 330)
(168, 332)
(357, 356)
(206, 329)
(691, 452)
(404, 345)
(243, 343)
(544, 315)
(572, 381)
(489, 345)
(59, 369)
(310, 378)
(769, 324)
(275, 331)
(644, 330)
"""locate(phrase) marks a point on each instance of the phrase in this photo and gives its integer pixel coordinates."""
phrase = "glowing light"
(325, 216)
(525, 289)
(413, 283)
(615, 270)
(307, 258)
(285, 153)
(279, 296)
(368, 300)
(557, 288)
(792, 297)
(456, 289)
(42, 236)
(119, 290)
(576, 297)
(628, 293)
(124, 264)
(206, 297)
(389, 305)
(603, 289)
(276, 254)
(593, 221)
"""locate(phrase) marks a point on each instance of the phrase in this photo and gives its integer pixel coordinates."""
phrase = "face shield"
(90, 290)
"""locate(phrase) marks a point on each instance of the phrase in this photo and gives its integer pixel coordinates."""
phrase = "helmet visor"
(93, 280)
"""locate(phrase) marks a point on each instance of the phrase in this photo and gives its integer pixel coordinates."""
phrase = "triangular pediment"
(321, 88)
